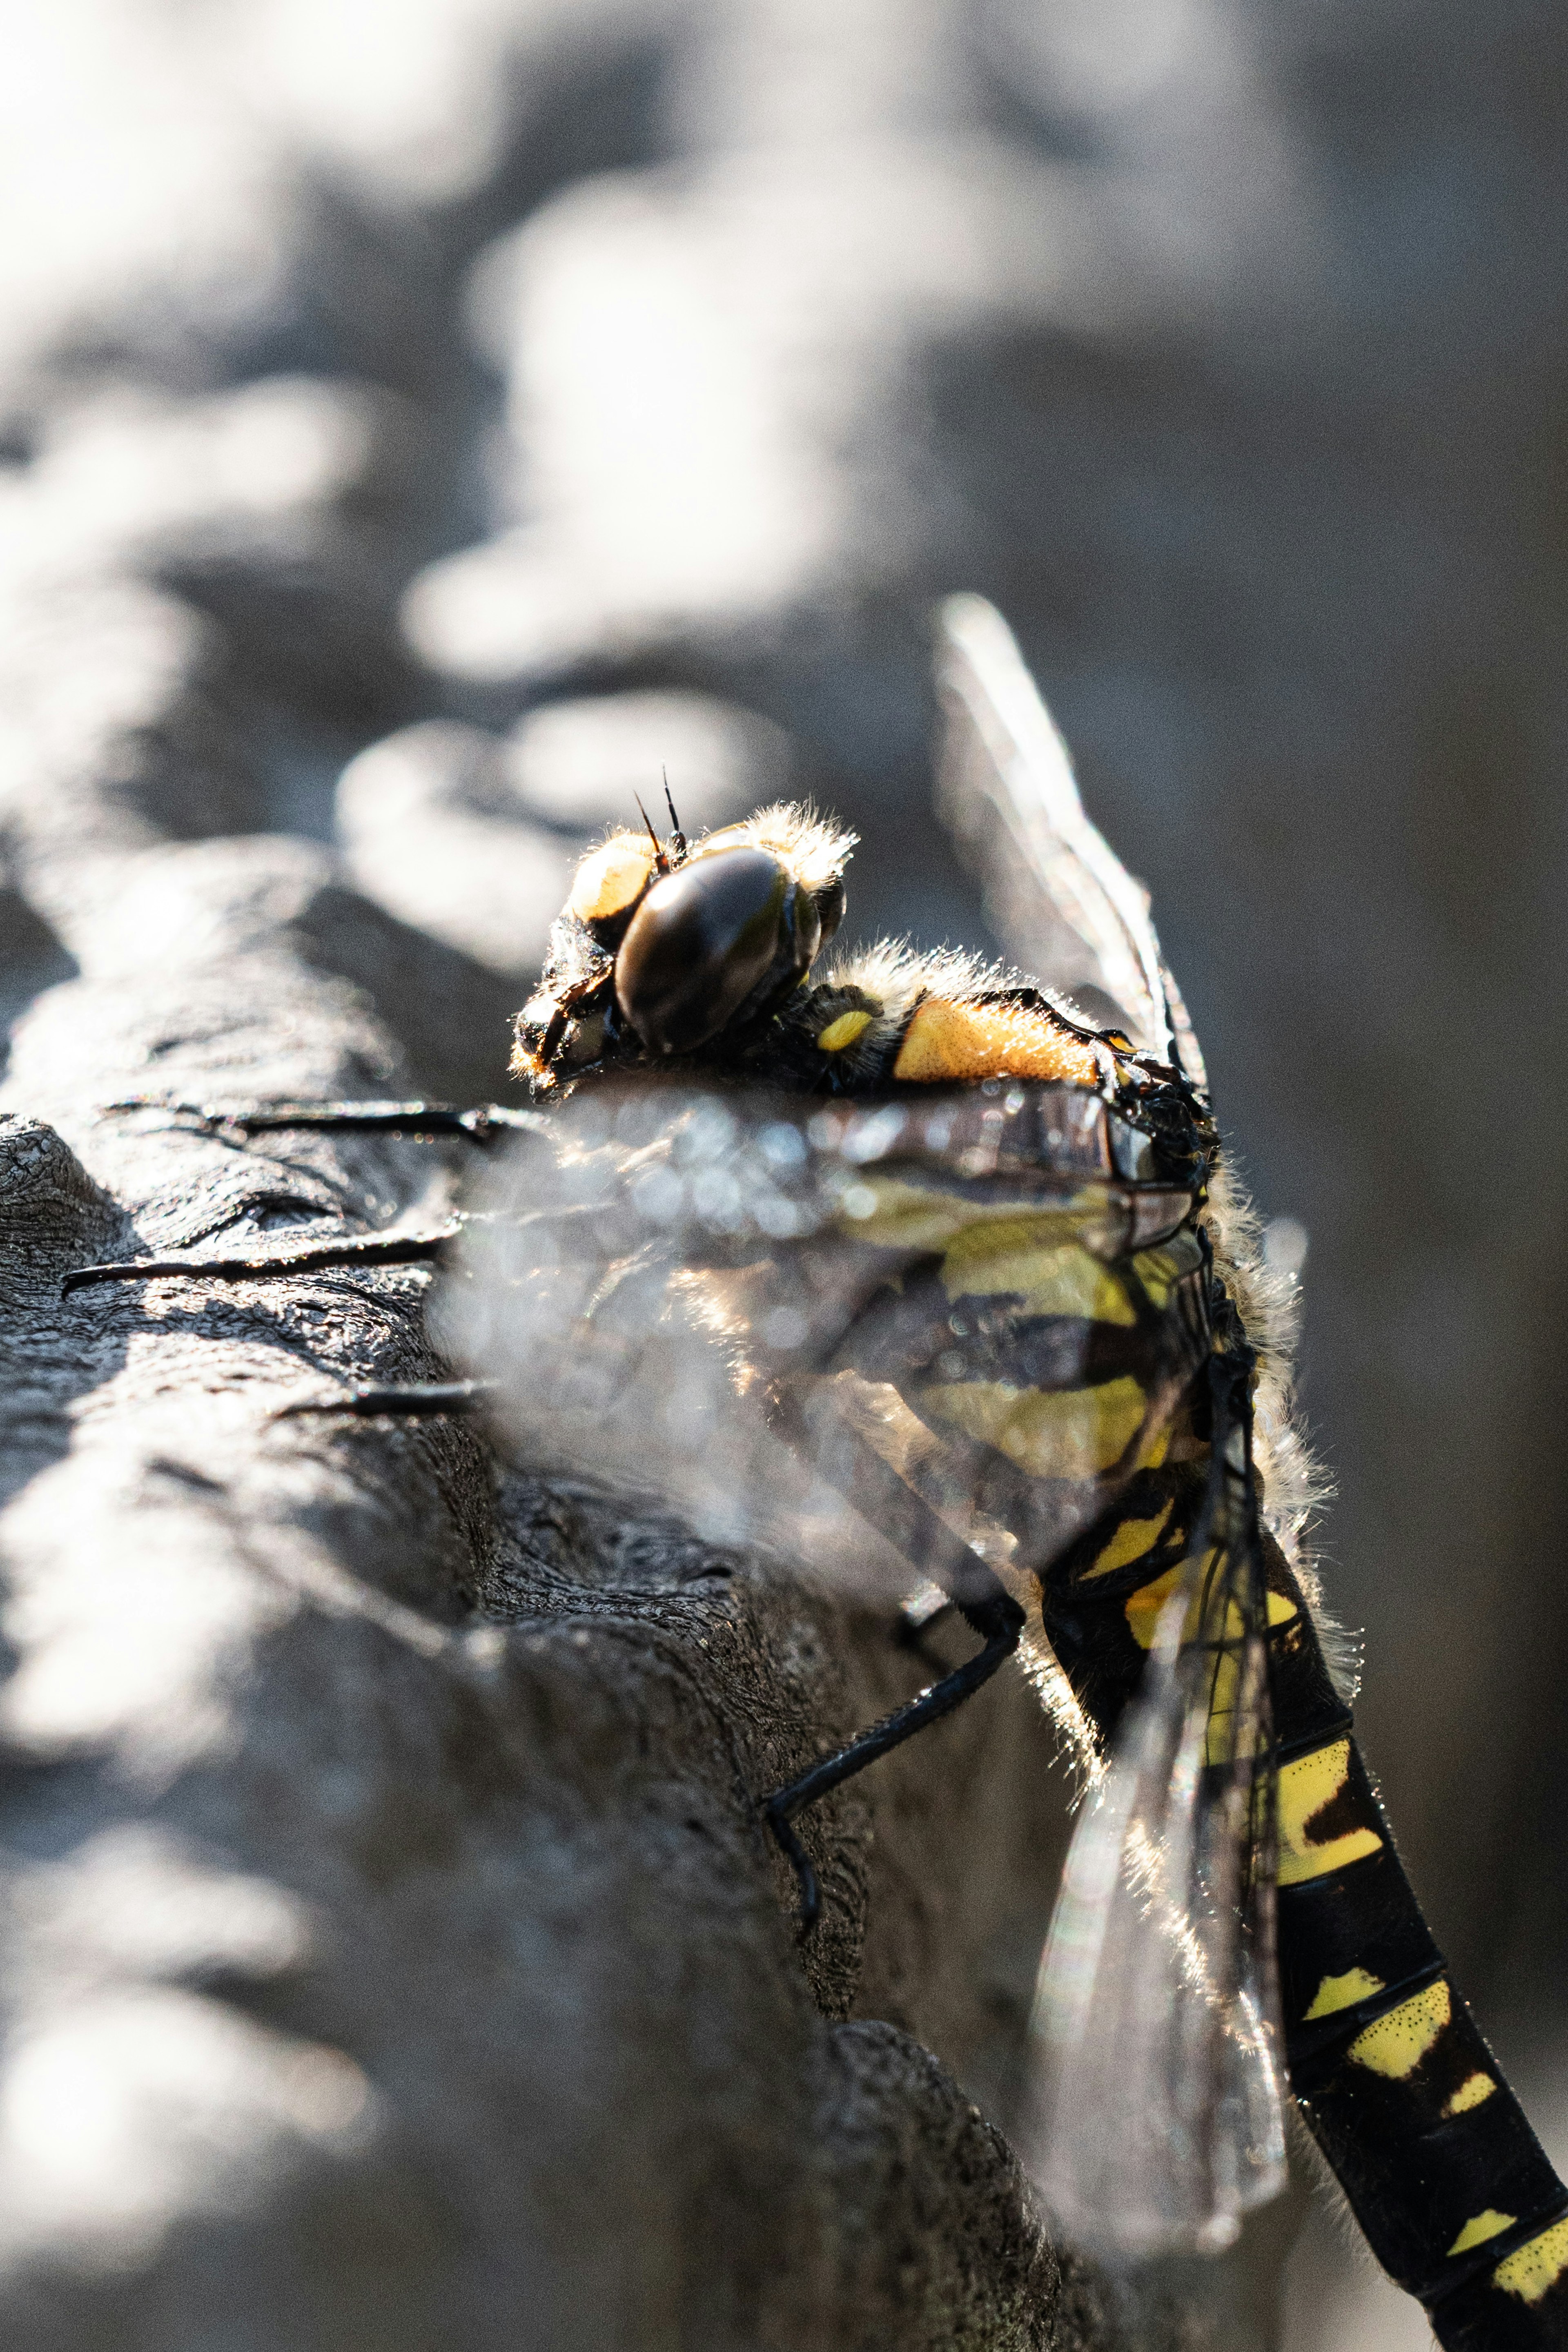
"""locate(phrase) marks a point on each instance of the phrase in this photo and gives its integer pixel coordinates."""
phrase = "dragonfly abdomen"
(1446, 2179)
(1445, 2176)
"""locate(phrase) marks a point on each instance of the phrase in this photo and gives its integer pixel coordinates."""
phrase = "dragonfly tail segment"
(1436, 2158)
(1451, 2187)
(1434, 2152)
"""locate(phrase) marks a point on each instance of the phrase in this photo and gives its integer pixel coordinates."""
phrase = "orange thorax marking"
(949, 1042)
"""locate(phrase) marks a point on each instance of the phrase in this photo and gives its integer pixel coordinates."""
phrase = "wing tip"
(971, 635)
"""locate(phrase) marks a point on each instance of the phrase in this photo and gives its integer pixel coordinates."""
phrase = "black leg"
(1001, 1622)
(412, 1401)
(363, 1249)
(480, 1123)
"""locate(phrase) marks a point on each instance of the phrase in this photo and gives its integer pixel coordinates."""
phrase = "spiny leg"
(362, 1249)
(480, 1122)
(405, 1400)
(1001, 1622)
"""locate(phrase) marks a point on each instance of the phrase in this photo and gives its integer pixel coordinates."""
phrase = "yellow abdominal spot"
(1159, 1270)
(919, 1218)
(1052, 1434)
(611, 879)
(1129, 1541)
(1052, 1277)
(1144, 1609)
(843, 1030)
(1480, 2227)
(1471, 2092)
(1396, 2044)
(1342, 1992)
(1307, 1784)
(948, 1042)
(1539, 2264)
(1141, 1609)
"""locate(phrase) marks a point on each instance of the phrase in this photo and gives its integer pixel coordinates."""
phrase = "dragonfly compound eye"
(726, 934)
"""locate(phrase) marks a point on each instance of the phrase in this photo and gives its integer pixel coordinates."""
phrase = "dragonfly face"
(663, 949)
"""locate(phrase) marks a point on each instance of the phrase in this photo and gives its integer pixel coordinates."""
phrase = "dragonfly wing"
(1153, 2112)
(1060, 898)
(626, 1341)
(745, 1306)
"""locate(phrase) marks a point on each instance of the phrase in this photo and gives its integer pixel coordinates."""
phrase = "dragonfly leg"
(362, 1249)
(480, 1122)
(1000, 1621)
(407, 1401)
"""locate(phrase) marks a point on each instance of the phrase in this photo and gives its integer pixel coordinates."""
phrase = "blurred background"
(466, 406)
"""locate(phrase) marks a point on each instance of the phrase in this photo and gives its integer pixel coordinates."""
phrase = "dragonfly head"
(666, 948)
(730, 932)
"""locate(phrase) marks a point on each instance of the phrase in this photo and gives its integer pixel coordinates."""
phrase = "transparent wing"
(1060, 898)
(1155, 2118)
(748, 1308)
(795, 1324)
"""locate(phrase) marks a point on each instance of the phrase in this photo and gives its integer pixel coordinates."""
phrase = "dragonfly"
(934, 1274)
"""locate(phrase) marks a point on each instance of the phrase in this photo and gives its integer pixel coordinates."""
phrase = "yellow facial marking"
(1539, 2264)
(843, 1030)
(1342, 1992)
(1396, 2045)
(1481, 2227)
(1307, 1784)
(1129, 1542)
(1471, 2094)
(947, 1042)
(611, 879)
(1052, 1434)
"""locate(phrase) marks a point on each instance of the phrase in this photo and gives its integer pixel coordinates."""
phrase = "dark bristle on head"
(660, 859)
(676, 836)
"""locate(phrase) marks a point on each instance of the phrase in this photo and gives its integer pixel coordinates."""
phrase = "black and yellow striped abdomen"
(1039, 1370)
(1042, 1370)
(1433, 2150)
(1022, 1366)
(1445, 2176)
